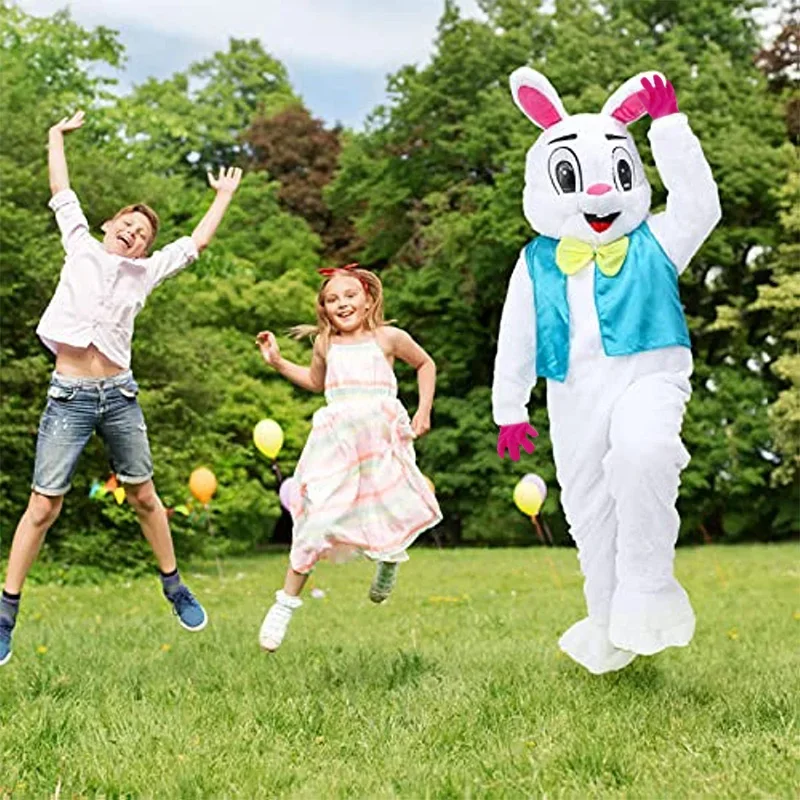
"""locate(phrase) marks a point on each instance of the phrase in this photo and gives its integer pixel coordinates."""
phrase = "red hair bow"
(329, 272)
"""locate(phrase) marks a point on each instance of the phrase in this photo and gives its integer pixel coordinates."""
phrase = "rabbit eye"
(565, 171)
(623, 169)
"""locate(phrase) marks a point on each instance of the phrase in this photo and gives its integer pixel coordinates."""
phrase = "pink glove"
(512, 437)
(658, 99)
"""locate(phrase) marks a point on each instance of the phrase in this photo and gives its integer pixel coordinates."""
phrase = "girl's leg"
(384, 580)
(294, 582)
(287, 601)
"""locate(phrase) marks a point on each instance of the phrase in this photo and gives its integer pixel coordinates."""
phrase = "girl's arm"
(402, 346)
(311, 378)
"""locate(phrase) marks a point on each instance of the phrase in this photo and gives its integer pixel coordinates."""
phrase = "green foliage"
(430, 196)
(435, 187)
(192, 121)
(203, 384)
(301, 154)
(781, 300)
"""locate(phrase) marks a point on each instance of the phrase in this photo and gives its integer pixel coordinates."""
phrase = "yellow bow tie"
(573, 255)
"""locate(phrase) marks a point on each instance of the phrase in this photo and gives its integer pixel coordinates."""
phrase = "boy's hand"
(421, 423)
(270, 351)
(228, 180)
(69, 123)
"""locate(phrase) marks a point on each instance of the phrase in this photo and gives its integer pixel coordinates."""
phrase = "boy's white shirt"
(99, 294)
(691, 213)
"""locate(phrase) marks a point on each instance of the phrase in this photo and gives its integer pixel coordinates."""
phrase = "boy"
(89, 326)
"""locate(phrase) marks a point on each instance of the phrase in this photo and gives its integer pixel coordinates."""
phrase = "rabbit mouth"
(601, 224)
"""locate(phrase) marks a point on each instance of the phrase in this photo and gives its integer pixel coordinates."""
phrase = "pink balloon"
(288, 493)
(540, 484)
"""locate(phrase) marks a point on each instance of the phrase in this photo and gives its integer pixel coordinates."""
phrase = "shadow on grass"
(368, 668)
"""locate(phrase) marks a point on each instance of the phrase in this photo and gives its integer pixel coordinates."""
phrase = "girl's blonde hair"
(323, 330)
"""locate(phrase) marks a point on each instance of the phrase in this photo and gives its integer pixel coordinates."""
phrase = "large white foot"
(587, 643)
(648, 622)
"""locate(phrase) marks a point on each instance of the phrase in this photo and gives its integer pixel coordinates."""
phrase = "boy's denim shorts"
(76, 407)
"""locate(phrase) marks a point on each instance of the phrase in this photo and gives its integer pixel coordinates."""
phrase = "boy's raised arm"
(174, 257)
(56, 159)
(225, 185)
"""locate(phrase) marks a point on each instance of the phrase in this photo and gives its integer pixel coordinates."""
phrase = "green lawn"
(455, 688)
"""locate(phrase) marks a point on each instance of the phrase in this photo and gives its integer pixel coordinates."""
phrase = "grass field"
(455, 688)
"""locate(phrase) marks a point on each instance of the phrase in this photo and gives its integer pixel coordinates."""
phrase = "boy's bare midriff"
(84, 362)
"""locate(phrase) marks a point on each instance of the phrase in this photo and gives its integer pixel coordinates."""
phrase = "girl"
(359, 488)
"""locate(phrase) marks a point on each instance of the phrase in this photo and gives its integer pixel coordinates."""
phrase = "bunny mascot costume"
(593, 307)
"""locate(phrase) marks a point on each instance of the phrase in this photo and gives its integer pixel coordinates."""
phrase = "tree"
(434, 188)
(203, 384)
(298, 151)
(780, 62)
(781, 298)
(192, 121)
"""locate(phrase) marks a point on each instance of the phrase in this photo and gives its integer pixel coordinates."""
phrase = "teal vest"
(639, 308)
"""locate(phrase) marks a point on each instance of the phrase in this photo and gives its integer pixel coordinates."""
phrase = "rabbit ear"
(626, 105)
(536, 97)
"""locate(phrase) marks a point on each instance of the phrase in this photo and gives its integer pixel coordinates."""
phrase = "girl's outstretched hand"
(421, 423)
(268, 345)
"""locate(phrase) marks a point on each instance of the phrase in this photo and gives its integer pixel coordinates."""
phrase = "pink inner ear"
(631, 109)
(538, 107)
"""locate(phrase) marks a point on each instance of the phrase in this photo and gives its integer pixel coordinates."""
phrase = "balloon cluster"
(99, 490)
(202, 484)
(529, 494)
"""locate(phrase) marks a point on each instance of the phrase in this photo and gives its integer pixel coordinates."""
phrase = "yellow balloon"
(268, 437)
(430, 484)
(119, 495)
(528, 498)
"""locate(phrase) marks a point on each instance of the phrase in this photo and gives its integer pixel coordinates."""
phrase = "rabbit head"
(584, 177)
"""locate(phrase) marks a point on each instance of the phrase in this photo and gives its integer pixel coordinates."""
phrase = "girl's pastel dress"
(360, 490)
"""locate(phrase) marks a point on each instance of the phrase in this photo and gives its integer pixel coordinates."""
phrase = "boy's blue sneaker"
(6, 626)
(190, 613)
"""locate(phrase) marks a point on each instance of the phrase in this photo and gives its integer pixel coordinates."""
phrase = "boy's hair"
(145, 210)
(323, 329)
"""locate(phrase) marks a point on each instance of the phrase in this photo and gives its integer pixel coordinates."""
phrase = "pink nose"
(598, 188)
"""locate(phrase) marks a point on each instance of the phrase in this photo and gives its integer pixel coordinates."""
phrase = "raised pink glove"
(512, 437)
(658, 98)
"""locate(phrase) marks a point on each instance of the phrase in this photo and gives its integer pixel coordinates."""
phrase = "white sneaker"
(275, 624)
(384, 581)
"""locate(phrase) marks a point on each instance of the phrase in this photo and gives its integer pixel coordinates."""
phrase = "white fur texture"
(615, 422)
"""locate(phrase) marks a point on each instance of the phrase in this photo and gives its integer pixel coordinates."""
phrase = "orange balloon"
(203, 484)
